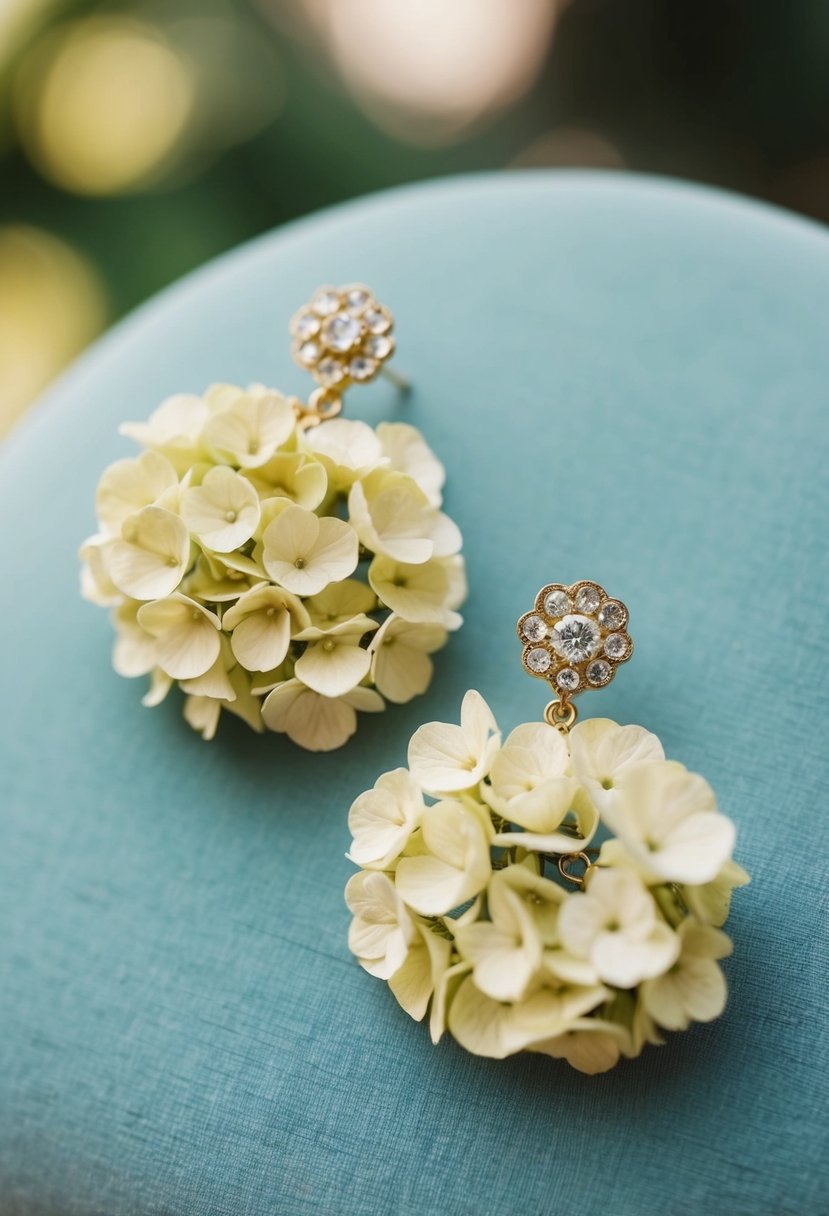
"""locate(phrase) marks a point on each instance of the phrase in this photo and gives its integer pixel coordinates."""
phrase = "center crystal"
(576, 638)
(341, 332)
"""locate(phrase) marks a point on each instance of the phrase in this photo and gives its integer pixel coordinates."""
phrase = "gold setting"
(342, 336)
(575, 637)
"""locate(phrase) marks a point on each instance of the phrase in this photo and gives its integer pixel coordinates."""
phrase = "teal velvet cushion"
(627, 381)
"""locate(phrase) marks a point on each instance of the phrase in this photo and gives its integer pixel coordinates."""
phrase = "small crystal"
(557, 603)
(341, 331)
(378, 346)
(587, 599)
(616, 645)
(612, 615)
(356, 299)
(306, 326)
(599, 672)
(330, 371)
(377, 320)
(538, 660)
(309, 352)
(325, 303)
(534, 629)
(576, 638)
(361, 369)
(568, 679)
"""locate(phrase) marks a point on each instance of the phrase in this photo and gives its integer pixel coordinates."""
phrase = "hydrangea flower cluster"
(292, 576)
(454, 909)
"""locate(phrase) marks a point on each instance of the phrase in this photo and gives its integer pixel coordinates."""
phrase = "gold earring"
(275, 561)
(560, 891)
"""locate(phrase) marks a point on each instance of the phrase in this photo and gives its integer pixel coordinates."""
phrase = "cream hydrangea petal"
(288, 538)
(575, 829)
(317, 723)
(667, 818)
(696, 849)
(393, 516)
(96, 585)
(414, 982)
(340, 602)
(505, 952)
(383, 818)
(249, 429)
(382, 930)
(304, 553)
(128, 485)
(581, 919)
(492, 1028)
(263, 597)
(202, 714)
(292, 475)
(711, 901)
(445, 991)
(346, 447)
(367, 700)
(445, 758)
(626, 962)
(187, 635)
(215, 682)
(528, 782)
(503, 964)
(424, 594)
(407, 452)
(174, 428)
(262, 623)
(260, 642)
(150, 560)
(336, 552)
(591, 1045)
(134, 650)
(541, 898)
(223, 511)
(202, 584)
(613, 924)
(567, 969)
(400, 663)
(244, 704)
(602, 751)
(456, 867)
(333, 671)
(694, 989)
(348, 632)
(531, 754)
(160, 685)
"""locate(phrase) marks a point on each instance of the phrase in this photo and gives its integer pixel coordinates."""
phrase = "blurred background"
(138, 139)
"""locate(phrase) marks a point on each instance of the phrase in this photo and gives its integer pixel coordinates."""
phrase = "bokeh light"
(428, 71)
(103, 105)
(155, 134)
(572, 148)
(52, 303)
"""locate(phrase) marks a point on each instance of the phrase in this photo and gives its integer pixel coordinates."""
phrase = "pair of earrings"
(560, 891)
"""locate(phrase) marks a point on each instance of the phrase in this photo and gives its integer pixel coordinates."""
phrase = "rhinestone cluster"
(575, 637)
(342, 336)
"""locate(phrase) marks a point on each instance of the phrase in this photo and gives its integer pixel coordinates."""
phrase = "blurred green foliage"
(731, 92)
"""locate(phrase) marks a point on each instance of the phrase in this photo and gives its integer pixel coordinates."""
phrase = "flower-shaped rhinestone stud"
(575, 637)
(342, 336)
